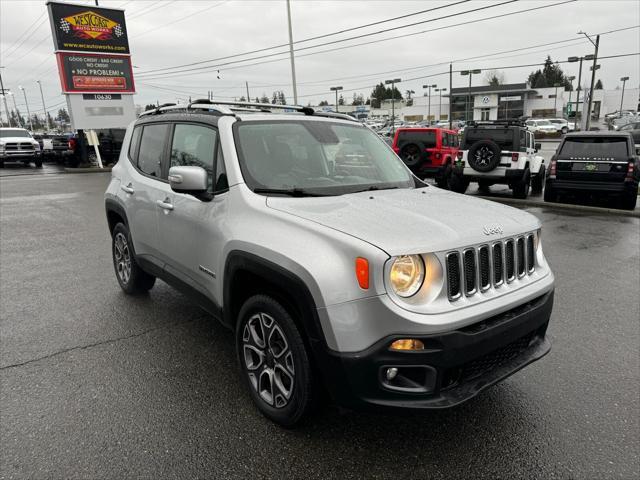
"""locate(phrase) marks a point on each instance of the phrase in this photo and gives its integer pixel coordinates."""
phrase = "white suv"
(542, 126)
(335, 267)
(17, 145)
(498, 153)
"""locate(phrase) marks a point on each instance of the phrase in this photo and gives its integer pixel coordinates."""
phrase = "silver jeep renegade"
(336, 268)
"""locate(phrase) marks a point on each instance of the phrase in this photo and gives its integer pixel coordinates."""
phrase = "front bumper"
(456, 365)
(18, 155)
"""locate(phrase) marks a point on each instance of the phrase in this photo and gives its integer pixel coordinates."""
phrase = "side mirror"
(188, 179)
(538, 147)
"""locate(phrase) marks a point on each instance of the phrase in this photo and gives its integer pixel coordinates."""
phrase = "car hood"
(17, 139)
(411, 220)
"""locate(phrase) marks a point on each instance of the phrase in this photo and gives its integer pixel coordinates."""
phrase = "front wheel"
(274, 361)
(442, 181)
(131, 277)
(38, 162)
(537, 182)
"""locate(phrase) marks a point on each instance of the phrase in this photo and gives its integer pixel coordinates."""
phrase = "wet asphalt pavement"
(96, 384)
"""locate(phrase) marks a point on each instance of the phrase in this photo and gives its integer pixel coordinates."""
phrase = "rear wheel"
(550, 194)
(537, 181)
(457, 183)
(628, 201)
(131, 277)
(274, 361)
(521, 187)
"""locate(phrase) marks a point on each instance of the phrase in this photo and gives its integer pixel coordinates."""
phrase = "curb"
(87, 170)
(564, 206)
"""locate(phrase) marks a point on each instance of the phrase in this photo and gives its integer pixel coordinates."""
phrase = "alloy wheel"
(268, 360)
(122, 256)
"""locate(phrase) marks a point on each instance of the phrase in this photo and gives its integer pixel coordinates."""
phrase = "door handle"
(128, 189)
(165, 204)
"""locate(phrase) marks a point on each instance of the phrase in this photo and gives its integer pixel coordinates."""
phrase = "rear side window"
(133, 145)
(595, 147)
(151, 149)
(428, 139)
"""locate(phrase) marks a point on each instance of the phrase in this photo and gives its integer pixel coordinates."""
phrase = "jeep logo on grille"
(492, 230)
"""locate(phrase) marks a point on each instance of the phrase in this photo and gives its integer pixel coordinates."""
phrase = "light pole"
(293, 62)
(429, 107)
(471, 73)
(26, 104)
(623, 80)
(573, 60)
(3, 93)
(571, 79)
(440, 90)
(555, 99)
(15, 106)
(335, 89)
(594, 67)
(44, 107)
(392, 82)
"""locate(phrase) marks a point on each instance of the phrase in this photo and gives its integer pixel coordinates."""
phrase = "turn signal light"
(407, 344)
(362, 272)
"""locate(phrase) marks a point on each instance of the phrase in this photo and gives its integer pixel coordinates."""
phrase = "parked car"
(54, 146)
(542, 126)
(562, 125)
(499, 153)
(603, 163)
(634, 130)
(335, 267)
(428, 152)
(619, 122)
(110, 146)
(17, 145)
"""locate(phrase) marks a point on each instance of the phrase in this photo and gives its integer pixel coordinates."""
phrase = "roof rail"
(342, 116)
(269, 106)
(172, 107)
(511, 122)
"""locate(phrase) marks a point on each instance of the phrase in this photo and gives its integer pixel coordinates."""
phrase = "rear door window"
(152, 145)
(595, 148)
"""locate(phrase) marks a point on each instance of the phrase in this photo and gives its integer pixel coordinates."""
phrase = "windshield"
(594, 147)
(544, 122)
(323, 158)
(17, 132)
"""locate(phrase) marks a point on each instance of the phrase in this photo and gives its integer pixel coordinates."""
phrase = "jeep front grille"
(478, 269)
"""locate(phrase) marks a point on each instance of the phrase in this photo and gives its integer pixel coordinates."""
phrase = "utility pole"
(293, 62)
(450, 94)
(44, 107)
(571, 79)
(596, 44)
(623, 80)
(26, 104)
(4, 93)
(247, 85)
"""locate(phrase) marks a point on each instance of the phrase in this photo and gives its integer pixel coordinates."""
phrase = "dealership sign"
(87, 28)
(82, 73)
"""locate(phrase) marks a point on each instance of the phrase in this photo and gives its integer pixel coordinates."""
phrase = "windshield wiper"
(374, 187)
(292, 192)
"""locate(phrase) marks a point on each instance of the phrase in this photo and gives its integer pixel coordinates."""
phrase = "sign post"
(94, 64)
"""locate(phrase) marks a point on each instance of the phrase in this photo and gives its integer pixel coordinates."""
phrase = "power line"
(213, 67)
(174, 21)
(33, 32)
(307, 39)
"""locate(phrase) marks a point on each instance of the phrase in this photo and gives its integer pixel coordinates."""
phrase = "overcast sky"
(172, 33)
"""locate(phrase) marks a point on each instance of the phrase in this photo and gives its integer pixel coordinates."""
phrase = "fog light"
(407, 344)
(391, 373)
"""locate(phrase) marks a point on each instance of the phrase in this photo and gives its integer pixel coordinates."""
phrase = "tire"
(564, 130)
(442, 181)
(537, 181)
(1, 163)
(484, 186)
(550, 194)
(484, 156)
(130, 276)
(38, 162)
(411, 155)
(274, 361)
(521, 187)
(457, 183)
(628, 201)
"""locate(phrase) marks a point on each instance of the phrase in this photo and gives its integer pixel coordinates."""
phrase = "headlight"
(407, 275)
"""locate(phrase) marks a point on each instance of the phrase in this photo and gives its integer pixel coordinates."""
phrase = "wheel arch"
(115, 214)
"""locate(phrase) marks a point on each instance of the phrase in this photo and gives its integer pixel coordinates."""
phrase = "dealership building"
(507, 101)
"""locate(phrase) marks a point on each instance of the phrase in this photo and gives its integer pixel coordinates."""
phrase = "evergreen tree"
(550, 74)
(341, 100)
(323, 103)
(598, 85)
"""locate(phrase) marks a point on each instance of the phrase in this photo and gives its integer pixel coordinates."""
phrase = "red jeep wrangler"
(428, 152)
